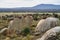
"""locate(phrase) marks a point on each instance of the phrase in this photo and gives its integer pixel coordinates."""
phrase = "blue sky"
(25, 3)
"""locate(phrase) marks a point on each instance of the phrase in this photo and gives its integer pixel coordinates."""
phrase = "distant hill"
(47, 6)
(37, 8)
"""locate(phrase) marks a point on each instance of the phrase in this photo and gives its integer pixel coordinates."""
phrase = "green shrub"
(26, 31)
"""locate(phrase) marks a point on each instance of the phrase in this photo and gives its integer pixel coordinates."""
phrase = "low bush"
(26, 31)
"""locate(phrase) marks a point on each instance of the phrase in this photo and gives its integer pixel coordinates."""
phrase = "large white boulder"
(40, 26)
(50, 34)
(53, 21)
(46, 24)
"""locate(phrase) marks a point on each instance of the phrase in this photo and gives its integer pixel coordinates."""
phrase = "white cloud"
(25, 3)
(16, 3)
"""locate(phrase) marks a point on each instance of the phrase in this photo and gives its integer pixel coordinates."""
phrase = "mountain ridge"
(40, 7)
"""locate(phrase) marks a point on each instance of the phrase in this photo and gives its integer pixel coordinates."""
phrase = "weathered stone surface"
(51, 34)
(40, 25)
(28, 21)
(16, 24)
(53, 21)
(3, 30)
(19, 24)
(46, 24)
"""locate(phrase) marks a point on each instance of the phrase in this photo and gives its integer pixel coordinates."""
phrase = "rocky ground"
(4, 24)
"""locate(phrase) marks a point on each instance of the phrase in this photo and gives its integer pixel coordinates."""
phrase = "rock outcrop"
(51, 34)
(46, 24)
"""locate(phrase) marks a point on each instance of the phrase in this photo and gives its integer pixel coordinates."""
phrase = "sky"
(25, 3)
